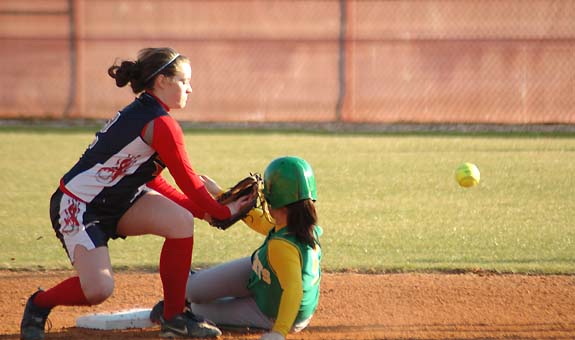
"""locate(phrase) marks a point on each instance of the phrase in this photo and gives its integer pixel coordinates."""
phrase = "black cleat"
(157, 312)
(188, 325)
(33, 320)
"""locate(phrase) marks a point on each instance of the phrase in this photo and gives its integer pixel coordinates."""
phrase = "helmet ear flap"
(288, 180)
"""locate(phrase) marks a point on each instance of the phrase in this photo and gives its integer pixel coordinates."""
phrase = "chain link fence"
(387, 61)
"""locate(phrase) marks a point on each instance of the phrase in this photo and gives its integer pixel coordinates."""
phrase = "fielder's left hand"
(272, 336)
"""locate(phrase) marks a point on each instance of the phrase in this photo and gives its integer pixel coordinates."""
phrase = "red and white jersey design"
(90, 183)
(118, 163)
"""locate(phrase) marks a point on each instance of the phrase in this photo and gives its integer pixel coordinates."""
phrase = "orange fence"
(482, 61)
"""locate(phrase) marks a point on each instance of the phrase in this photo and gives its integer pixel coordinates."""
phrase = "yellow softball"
(467, 175)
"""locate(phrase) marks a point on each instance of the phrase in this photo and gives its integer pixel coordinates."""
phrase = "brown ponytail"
(301, 219)
(126, 72)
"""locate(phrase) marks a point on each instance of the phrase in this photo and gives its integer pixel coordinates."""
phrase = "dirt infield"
(352, 306)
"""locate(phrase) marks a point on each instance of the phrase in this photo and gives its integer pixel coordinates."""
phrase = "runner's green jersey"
(265, 286)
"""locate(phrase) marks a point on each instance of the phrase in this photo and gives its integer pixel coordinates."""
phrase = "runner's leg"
(224, 280)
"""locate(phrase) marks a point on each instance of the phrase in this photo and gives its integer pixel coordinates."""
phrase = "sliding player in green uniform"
(277, 288)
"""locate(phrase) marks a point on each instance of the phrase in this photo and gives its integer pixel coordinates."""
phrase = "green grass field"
(387, 202)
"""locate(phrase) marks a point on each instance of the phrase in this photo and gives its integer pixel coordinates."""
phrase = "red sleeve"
(168, 141)
(163, 187)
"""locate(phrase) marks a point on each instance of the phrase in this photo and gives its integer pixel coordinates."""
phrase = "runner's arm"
(284, 259)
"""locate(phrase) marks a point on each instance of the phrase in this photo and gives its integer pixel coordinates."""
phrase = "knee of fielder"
(182, 225)
(98, 290)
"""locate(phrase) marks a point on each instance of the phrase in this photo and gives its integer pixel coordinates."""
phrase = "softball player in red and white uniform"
(116, 190)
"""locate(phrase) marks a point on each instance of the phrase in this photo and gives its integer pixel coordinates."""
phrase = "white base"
(132, 318)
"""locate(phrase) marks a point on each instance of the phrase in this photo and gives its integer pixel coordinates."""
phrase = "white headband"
(162, 67)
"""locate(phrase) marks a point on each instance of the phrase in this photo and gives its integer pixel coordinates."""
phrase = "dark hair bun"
(126, 72)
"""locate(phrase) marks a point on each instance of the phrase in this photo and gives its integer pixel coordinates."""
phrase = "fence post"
(74, 94)
(345, 106)
(341, 60)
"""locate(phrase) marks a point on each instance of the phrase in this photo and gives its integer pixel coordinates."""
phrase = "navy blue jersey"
(118, 162)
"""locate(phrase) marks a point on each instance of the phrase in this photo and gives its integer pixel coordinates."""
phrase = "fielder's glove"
(251, 185)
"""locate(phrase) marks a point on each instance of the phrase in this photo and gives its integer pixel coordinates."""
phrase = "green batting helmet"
(288, 180)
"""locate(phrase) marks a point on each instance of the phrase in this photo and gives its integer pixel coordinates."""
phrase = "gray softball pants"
(220, 294)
